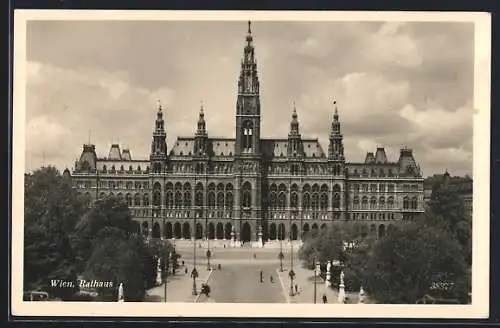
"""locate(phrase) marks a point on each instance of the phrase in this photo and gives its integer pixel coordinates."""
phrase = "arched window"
(373, 202)
(128, 197)
(381, 202)
(294, 200)
(220, 199)
(247, 136)
(306, 201)
(146, 200)
(406, 203)
(355, 202)
(390, 202)
(178, 199)
(137, 200)
(364, 203)
(324, 201)
(246, 193)
(282, 200)
(211, 199)
(414, 203)
(187, 199)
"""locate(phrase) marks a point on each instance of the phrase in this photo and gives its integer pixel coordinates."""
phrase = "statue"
(158, 272)
(328, 274)
(341, 298)
(361, 295)
(120, 293)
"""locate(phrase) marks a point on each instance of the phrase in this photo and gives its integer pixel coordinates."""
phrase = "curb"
(283, 289)
(208, 278)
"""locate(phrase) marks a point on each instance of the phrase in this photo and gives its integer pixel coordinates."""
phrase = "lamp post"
(208, 244)
(165, 260)
(174, 257)
(316, 272)
(194, 273)
(281, 247)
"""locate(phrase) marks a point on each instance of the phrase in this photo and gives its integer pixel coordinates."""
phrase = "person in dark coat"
(325, 299)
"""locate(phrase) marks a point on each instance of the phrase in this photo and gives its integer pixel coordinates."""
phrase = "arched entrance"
(246, 232)
(145, 228)
(281, 231)
(305, 230)
(294, 231)
(168, 230)
(227, 231)
(219, 231)
(177, 230)
(211, 231)
(156, 230)
(199, 231)
(186, 231)
(272, 231)
(323, 226)
(381, 231)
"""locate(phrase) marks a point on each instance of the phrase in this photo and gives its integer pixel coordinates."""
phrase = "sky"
(396, 84)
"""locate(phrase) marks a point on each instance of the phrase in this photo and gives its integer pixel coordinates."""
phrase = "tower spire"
(336, 146)
(249, 27)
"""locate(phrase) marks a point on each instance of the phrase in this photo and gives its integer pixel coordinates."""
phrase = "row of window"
(372, 203)
(111, 184)
(382, 187)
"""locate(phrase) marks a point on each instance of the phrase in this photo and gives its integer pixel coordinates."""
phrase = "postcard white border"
(480, 267)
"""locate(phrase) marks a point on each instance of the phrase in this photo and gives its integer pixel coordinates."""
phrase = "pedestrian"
(182, 262)
(261, 276)
(296, 288)
(325, 299)
(185, 270)
(271, 279)
(224, 245)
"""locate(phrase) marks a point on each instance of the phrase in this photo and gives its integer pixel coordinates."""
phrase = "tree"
(405, 264)
(117, 258)
(447, 212)
(52, 207)
(106, 213)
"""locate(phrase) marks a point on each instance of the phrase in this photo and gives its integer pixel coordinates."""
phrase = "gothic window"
(336, 201)
(137, 200)
(381, 202)
(128, 197)
(138, 168)
(294, 200)
(146, 200)
(390, 202)
(373, 187)
(315, 201)
(406, 203)
(282, 201)
(128, 185)
(247, 136)
(220, 199)
(273, 199)
(306, 201)
(364, 187)
(187, 199)
(178, 199)
(356, 187)
(113, 169)
(381, 187)
(211, 199)
(355, 202)
(414, 203)
(104, 169)
(373, 202)
(246, 199)
(324, 201)
(130, 169)
(169, 199)
(390, 188)
(121, 168)
(364, 203)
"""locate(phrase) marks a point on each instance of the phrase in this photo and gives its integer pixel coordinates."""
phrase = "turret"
(294, 137)
(336, 145)
(158, 155)
(88, 159)
(201, 137)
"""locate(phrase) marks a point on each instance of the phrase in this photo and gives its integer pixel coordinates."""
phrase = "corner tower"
(248, 103)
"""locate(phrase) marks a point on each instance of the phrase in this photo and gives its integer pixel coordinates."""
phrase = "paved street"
(239, 283)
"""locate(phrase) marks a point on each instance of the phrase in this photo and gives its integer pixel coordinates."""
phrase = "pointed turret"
(159, 143)
(248, 103)
(336, 146)
(201, 137)
(294, 138)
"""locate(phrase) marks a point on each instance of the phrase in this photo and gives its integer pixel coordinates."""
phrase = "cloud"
(396, 84)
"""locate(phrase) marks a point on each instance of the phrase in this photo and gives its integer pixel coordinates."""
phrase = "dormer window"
(121, 168)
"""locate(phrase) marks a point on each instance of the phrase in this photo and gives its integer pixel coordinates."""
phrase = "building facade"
(463, 186)
(251, 187)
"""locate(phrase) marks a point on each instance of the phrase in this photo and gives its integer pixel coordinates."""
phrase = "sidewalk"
(304, 279)
(179, 287)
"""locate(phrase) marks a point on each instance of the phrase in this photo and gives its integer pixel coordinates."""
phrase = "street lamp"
(316, 273)
(208, 243)
(194, 273)
(291, 274)
(281, 247)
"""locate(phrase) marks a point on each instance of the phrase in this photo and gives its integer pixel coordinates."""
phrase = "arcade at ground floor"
(245, 230)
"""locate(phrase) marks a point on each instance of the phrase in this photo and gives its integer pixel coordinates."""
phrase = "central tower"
(248, 104)
(247, 162)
